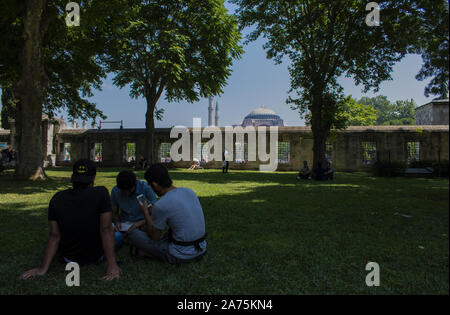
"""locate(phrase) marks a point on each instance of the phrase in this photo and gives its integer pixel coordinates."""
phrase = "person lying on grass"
(178, 208)
(81, 228)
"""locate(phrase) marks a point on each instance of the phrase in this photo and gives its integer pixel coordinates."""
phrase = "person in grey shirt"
(178, 209)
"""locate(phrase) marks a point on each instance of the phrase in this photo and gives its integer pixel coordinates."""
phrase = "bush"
(421, 164)
(389, 169)
(440, 169)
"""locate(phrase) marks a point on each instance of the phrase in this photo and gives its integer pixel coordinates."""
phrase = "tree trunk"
(321, 131)
(153, 92)
(150, 129)
(31, 88)
(319, 146)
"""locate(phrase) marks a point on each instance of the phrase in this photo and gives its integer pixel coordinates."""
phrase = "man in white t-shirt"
(178, 209)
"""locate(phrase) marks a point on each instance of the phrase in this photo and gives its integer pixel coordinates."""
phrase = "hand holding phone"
(142, 199)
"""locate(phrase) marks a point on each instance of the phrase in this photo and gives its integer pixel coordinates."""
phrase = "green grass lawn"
(267, 234)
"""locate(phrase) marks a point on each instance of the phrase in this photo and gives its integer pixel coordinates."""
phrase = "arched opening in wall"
(241, 152)
(412, 151)
(96, 153)
(164, 152)
(284, 152)
(202, 152)
(369, 152)
(130, 152)
(67, 152)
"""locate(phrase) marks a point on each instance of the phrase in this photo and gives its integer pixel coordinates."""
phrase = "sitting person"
(305, 172)
(178, 208)
(319, 172)
(125, 206)
(80, 224)
(142, 163)
(8, 154)
(329, 172)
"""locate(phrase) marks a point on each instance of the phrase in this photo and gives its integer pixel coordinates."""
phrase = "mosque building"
(261, 116)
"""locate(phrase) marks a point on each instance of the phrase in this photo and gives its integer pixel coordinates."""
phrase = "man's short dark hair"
(158, 173)
(126, 180)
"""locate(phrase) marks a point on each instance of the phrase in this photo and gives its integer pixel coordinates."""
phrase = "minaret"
(217, 114)
(211, 111)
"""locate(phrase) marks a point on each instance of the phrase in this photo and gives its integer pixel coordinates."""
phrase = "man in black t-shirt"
(81, 228)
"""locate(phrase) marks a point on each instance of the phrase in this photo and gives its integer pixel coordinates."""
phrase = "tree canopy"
(401, 112)
(70, 54)
(353, 113)
(47, 66)
(183, 48)
(433, 45)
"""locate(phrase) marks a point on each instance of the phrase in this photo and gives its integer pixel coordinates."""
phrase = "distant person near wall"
(305, 171)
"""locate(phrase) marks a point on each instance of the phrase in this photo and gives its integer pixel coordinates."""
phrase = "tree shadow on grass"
(267, 239)
(11, 185)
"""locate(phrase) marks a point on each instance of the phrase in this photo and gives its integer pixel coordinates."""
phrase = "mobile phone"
(142, 199)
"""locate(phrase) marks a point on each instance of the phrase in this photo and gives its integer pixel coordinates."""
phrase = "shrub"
(440, 169)
(421, 164)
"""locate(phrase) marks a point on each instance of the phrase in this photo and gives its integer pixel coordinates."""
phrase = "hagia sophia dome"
(262, 116)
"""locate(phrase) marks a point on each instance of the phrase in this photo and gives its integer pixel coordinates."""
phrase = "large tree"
(47, 66)
(184, 48)
(325, 40)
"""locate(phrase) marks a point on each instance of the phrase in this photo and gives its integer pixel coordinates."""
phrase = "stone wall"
(440, 114)
(386, 142)
(433, 113)
(347, 152)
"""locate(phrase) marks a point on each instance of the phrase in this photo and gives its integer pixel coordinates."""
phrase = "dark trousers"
(225, 167)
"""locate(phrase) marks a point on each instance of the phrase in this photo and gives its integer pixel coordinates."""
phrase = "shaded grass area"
(267, 234)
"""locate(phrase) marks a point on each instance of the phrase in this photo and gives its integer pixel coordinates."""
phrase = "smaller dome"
(261, 111)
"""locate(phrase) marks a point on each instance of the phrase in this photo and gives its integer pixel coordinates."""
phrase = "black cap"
(84, 171)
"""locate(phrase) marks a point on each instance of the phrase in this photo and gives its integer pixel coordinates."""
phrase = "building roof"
(262, 111)
(434, 102)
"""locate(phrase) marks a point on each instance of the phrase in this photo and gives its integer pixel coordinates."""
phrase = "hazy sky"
(255, 81)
